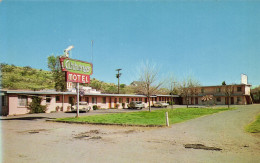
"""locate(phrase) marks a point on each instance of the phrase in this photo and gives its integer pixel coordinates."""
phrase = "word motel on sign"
(77, 78)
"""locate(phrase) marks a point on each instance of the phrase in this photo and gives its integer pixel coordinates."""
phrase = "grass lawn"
(145, 118)
(254, 127)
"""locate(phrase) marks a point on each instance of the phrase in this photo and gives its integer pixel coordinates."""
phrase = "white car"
(136, 105)
(83, 107)
(160, 104)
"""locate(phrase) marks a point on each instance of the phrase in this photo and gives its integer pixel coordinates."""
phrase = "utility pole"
(118, 76)
(92, 42)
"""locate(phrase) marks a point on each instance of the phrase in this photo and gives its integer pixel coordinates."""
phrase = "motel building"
(15, 102)
(235, 94)
(239, 95)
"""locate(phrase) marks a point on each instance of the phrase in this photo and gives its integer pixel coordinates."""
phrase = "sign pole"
(77, 100)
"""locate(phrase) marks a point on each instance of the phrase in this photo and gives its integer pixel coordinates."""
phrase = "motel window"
(140, 99)
(127, 100)
(4, 100)
(48, 99)
(87, 99)
(239, 89)
(94, 100)
(202, 90)
(57, 98)
(238, 99)
(136, 99)
(120, 100)
(80, 98)
(132, 99)
(160, 99)
(218, 99)
(22, 100)
(145, 100)
(218, 89)
(104, 100)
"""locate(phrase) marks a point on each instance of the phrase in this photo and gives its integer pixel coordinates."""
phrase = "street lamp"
(118, 76)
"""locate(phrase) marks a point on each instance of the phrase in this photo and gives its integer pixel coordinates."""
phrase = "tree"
(255, 93)
(171, 86)
(229, 90)
(58, 75)
(223, 83)
(148, 78)
(188, 88)
(35, 106)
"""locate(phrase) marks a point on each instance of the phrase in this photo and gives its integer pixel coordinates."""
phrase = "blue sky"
(212, 41)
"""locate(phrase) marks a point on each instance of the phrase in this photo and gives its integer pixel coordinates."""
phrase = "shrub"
(171, 103)
(95, 107)
(117, 105)
(57, 108)
(123, 105)
(36, 107)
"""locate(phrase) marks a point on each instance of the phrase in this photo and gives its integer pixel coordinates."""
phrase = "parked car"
(160, 104)
(136, 105)
(83, 107)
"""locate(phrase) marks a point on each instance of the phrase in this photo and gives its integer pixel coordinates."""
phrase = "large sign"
(77, 78)
(76, 66)
(76, 71)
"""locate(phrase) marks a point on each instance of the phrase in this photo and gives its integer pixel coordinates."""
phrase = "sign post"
(77, 100)
(77, 72)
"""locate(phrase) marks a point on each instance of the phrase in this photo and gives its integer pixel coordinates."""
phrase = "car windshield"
(138, 102)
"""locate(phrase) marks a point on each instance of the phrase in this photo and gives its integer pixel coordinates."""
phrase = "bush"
(95, 107)
(171, 103)
(117, 106)
(36, 107)
(123, 105)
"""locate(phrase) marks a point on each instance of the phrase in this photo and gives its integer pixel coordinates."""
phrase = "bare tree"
(149, 84)
(229, 90)
(188, 88)
(171, 85)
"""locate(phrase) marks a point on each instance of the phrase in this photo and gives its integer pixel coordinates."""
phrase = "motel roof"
(28, 92)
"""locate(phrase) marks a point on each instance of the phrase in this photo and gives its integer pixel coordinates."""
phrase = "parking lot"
(30, 138)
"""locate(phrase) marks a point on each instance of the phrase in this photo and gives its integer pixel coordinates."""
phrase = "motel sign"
(76, 71)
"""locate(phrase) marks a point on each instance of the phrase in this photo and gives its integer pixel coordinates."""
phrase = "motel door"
(109, 102)
(232, 100)
(115, 101)
(196, 101)
(226, 100)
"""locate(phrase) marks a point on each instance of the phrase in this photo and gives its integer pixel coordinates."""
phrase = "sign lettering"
(76, 66)
(77, 78)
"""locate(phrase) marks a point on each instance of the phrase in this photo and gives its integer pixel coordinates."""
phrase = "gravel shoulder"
(35, 140)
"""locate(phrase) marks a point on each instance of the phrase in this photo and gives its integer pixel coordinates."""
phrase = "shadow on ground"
(25, 118)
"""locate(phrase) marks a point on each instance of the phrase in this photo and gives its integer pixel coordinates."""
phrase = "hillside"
(14, 77)
(27, 78)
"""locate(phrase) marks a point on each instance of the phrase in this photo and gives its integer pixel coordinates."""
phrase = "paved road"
(35, 140)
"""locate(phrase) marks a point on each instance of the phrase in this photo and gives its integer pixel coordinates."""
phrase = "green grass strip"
(145, 118)
(254, 127)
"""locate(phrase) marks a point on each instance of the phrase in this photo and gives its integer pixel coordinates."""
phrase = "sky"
(212, 41)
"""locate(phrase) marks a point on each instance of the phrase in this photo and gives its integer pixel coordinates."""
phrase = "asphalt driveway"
(35, 140)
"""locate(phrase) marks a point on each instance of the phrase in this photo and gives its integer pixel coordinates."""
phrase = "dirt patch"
(96, 137)
(33, 131)
(201, 146)
(92, 134)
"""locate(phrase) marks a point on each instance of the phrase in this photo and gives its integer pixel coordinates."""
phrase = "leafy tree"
(255, 93)
(36, 107)
(223, 83)
(58, 75)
